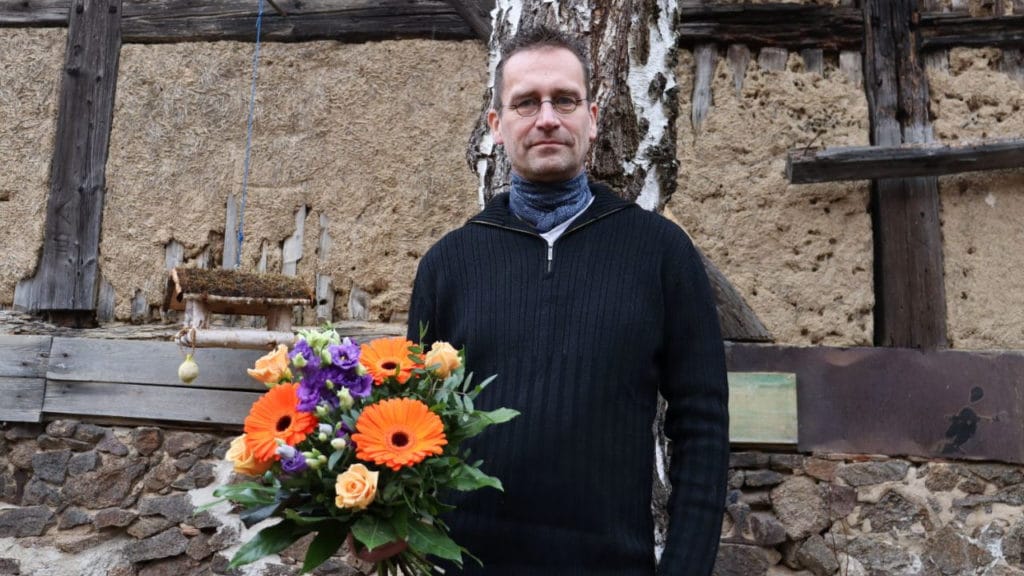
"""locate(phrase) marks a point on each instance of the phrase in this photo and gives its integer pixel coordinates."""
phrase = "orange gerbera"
(276, 416)
(398, 432)
(386, 357)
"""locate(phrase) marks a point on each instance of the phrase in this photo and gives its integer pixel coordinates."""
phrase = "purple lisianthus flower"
(294, 464)
(345, 355)
(359, 386)
(311, 389)
(343, 430)
(302, 348)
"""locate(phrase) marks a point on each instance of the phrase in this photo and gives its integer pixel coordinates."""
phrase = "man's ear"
(592, 110)
(494, 121)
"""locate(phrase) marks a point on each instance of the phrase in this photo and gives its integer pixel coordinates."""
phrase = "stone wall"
(77, 499)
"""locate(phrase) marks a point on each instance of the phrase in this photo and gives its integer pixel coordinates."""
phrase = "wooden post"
(910, 295)
(67, 278)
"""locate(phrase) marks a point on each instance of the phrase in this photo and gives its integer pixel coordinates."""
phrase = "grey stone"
(22, 453)
(335, 567)
(109, 486)
(51, 466)
(735, 479)
(972, 485)
(77, 543)
(73, 517)
(880, 555)
(761, 478)
(176, 508)
(894, 511)
(757, 499)
(204, 545)
(22, 522)
(222, 447)
(765, 529)
(146, 527)
(114, 517)
(1012, 495)
(83, 462)
(867, 473)
(952, 554)
(23, 431)
(160, 476)
(999, 569)
(186, 462)
(9, 487)
(178, 566)
(748, 460)
(9, 566)
(61, 428)
(147, 440)
(204, 521)
(741, 560)
(111, 445)
(800, 507)
(201, 475)
(816, 555)
(941, 477)
(738, 512)
(39, 492)
(177, 443)
(47, 442)
(168, 543)
(90, 433)
(123, 569)
(1013, 544)
(786, 462)
(1001, 475)
(840, 500)
(820, 468)
(219, 565)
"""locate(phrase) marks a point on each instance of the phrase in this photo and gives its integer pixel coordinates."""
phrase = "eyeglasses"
(564, 105)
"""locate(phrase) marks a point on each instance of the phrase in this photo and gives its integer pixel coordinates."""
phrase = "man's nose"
(547, 117)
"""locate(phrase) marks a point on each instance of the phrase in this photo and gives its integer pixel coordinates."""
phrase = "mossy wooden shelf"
(201, 293)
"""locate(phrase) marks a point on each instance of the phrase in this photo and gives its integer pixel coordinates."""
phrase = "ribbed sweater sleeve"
(697, 421)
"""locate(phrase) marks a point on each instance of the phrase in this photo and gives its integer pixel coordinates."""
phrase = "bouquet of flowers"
(359, 444)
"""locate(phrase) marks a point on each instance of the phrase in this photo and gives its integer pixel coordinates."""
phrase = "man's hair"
(533, 39)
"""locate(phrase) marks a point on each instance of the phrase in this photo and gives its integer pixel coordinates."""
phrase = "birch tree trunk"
(632, 52)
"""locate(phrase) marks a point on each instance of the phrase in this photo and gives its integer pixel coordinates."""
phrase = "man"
(585, 306)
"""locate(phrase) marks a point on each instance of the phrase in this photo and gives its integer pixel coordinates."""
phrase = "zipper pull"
(551, 255)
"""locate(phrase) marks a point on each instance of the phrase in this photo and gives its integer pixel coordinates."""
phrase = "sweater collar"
(497, 212)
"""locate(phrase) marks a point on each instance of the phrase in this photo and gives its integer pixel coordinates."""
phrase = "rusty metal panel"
(901, 402)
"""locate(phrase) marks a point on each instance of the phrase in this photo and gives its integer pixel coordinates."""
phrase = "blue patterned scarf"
(545, 205)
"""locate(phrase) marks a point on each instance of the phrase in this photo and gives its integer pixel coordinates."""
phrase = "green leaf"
(270, 540)
(469, 478)
(428, 539)
(333, 460)
(481, 420)
(247, 493)
(373, 532)
(254, 516)
(301, 520)
(400, 523)
(324, 545)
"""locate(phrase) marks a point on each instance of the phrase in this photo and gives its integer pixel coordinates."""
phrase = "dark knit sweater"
(582, 338)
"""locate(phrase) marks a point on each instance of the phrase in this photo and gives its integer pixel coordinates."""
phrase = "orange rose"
(272, 368)
(356, 487)
(444, 356)
(244, 460)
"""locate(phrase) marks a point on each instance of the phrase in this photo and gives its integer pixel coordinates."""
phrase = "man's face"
(547, 147)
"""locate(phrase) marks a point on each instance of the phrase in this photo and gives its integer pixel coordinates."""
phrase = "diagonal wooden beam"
(910, 295)
(477, 14)
(67, 276)
(804, 166)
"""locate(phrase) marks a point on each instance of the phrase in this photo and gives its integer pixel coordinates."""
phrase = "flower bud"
(329, 384)
(322, 437)
(322, 459)
(286, 451)
(313, 463)
(309, 455)
(321, 410)
(299, 361)
(344, 398)
(189, 370)
(338, 443)
(325, 428)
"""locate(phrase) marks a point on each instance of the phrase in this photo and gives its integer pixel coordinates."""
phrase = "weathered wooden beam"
(941, 31)
(804, 166)
(477, 14)
(67, 277)
(24, 356)
(352, 21)
(34, 12)
(910, 296)
(22, 399)
(775, 24)
(738, 321)
(936, 404)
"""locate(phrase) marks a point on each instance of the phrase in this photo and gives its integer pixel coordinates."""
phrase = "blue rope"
(248, 137)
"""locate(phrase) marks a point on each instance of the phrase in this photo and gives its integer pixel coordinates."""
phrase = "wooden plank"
(163, 403)
(67, 277)
(24, 356)
(870, 162)
(762, 408)
(144, 362)
(738, 321)
(148, 21)
(477, 14)
(785, 25)
(942, 31)
(910, 298)
(773, 59)
(706, 58)
(34, 12)
(900, 402)
(739, 57)
(22, 399)
(814, 60)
